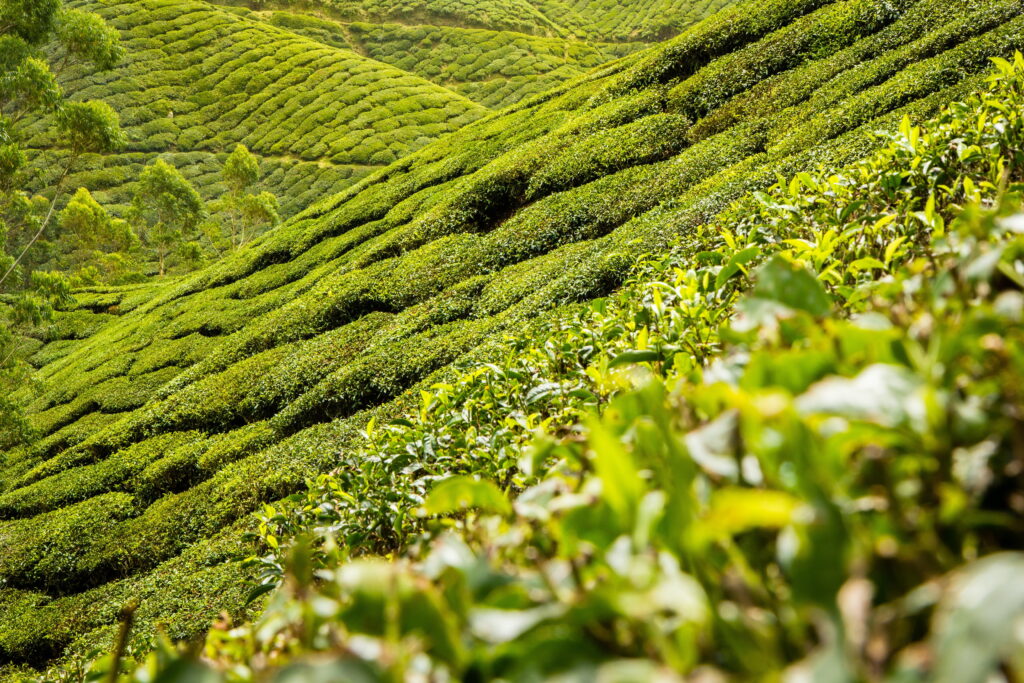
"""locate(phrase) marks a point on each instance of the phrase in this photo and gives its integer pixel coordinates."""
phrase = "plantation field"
(623, 21)
(171, 411)
(493, 68)
(199, 79)
(495, 53)
(719, 412)
(644, 20)
(112, 177)
(194, 85)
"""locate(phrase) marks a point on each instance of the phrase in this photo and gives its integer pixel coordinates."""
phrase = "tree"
(84, 36)
(89, 227)
(246, 211)
(258, 210)
(167, 210)
(34, 33)
(84, 127)
(98, 247)
(29, 87)
(241, 170)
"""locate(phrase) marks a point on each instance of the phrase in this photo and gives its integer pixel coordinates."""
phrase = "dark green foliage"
(67, 531)
(135, 467)
(30, 20)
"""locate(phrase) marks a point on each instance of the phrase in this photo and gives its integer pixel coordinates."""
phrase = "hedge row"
(202, 78)
(607, 20)
(112, 178)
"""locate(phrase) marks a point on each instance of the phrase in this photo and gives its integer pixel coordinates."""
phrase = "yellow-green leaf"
(464, 493)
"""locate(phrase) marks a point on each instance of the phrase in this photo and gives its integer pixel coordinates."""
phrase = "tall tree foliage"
(38, 40)
(98, 247)
(246, 210)
(167, 210)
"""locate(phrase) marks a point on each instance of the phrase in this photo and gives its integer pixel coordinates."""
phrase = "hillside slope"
(496, 53)
(618, 20)
(199, 79)
(607, 20)
(168, 416)
(493, 68)
(719, 412)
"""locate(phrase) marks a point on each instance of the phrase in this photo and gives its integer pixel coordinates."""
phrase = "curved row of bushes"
(199, 79)
(603, 20)
(112, 178)
(468, 61)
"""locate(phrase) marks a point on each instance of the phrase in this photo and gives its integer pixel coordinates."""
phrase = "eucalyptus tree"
(167, 210)
(38, 40)
(97, 247)
(247, 210)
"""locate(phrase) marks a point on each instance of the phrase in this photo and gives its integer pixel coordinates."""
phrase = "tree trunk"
(46, 221)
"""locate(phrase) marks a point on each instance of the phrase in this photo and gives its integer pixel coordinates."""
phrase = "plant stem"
(46, 221)
(127, 616)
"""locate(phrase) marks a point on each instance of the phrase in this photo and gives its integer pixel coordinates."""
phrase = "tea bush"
(631, 20)
(493, 68)
(495, 53)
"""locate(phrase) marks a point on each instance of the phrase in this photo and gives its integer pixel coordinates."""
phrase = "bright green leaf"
(463, 493)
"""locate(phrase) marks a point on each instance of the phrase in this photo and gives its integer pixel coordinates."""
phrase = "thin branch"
(63, 64)
(46, 221)
(3, 363)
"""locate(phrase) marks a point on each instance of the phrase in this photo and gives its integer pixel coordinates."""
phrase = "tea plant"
(787, 447)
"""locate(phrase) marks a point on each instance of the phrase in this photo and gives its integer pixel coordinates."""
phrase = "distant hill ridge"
(199, 79)
(607, 20)
(496, 52)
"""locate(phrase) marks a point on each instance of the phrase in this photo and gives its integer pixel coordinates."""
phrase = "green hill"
(644, 20)
(496, 53)
(683, 478)
(629, 20)
(521, 16)
(171, 411)
(494, 68)
(179, 104)
(200, 79)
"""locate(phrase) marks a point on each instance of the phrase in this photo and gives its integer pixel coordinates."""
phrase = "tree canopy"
(167, 209)
(38, 39)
